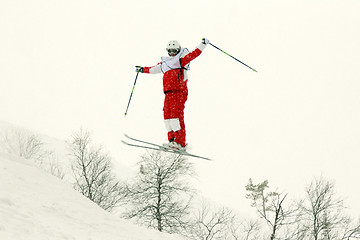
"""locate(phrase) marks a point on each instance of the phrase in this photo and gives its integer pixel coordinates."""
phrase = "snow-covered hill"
(35, 205)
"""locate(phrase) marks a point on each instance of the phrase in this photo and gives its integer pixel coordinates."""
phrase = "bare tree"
(270, 206)
(160, 197)
(250, 231)
(54, 167)
(24, 144)
(92, 171)
(30, 146)
(211, 223)
(323, 214)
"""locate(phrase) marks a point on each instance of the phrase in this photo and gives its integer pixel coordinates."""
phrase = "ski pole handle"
(232, 56)
(132, 91)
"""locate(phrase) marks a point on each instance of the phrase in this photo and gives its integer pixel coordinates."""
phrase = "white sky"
(66, 64)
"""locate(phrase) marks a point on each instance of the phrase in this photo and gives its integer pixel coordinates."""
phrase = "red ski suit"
(176, 91)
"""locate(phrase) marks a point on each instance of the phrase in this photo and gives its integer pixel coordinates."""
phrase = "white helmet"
(173, 46)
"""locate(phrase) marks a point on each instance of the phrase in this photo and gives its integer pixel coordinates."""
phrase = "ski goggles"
(173, 50)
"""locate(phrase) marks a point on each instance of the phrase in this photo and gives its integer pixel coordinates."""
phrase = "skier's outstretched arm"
(194, 54)
(153, 70)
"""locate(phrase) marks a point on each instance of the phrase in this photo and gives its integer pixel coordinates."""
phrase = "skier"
(175, 67)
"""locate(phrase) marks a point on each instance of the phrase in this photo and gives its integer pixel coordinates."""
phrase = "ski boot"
(175, 146)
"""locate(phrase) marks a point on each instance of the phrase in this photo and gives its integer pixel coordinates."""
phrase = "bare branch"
(92, 172)
(160, 197)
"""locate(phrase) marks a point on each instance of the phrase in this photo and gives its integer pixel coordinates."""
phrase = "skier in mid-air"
(175, 67)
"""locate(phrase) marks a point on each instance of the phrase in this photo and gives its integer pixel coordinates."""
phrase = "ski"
(153, 146)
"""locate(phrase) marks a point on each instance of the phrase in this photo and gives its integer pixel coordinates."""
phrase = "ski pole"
(132, 92)
(232, 57)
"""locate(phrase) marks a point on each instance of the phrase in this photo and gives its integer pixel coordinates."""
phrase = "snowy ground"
(35, 205)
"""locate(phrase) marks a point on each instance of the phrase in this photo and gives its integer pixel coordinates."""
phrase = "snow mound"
(35, 205)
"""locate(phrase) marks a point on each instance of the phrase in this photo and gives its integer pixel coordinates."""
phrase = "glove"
(139, 69)
(205, 41)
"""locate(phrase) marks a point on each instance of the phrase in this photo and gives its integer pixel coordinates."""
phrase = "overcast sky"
(67, 64)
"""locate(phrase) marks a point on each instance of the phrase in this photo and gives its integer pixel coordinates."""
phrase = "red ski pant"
(174, 105)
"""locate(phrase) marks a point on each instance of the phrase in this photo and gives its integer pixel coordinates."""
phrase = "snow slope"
(35, 205)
